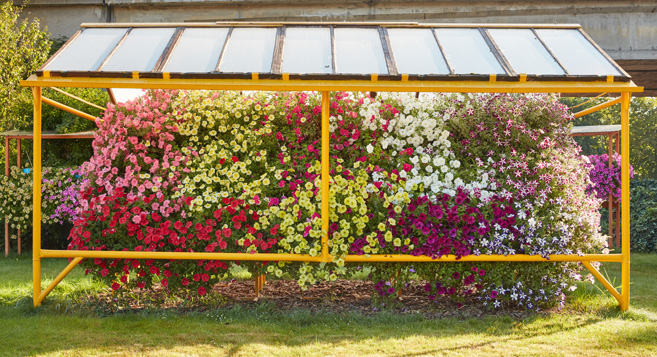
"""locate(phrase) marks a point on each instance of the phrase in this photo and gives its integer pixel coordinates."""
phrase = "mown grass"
(590, 324)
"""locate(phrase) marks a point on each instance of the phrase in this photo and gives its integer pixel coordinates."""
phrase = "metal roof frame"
(275, 79)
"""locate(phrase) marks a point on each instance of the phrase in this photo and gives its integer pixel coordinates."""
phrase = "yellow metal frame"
(324, 86)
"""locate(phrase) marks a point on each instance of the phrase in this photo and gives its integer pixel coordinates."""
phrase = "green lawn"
(591, 324)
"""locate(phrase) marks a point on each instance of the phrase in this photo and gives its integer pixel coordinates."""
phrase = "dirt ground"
(341, 296)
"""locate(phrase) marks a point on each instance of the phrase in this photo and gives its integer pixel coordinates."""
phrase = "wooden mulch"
(341, 296)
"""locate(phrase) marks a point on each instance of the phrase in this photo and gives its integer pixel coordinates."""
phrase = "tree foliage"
(24, 47)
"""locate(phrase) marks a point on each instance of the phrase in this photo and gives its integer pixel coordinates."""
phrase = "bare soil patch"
(284, 296)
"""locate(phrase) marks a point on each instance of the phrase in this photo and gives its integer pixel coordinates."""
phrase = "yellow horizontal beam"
(597, 107)
(46, 253)
(485, 258)
(335, 85)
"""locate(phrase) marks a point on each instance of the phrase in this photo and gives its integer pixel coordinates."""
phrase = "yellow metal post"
(36, 199)
(325, 175)
(625, 204)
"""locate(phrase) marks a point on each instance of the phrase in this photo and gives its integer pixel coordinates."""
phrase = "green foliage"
(643, 230)
(24, 47)
(643, 216)
(643, 131)
(67, 152)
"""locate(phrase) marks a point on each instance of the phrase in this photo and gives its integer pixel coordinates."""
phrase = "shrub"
(643, 216)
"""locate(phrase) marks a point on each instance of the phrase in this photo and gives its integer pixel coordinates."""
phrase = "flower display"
(605, 180)
(203, 171)
(59, 196)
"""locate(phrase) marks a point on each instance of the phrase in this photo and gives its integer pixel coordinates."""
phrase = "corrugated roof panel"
(197, 50)
(88, 50)
(307, 50)
(359, 51)
(467, 51)
(525, 52)
(416, 51)
(249, 49)
(576, 53)
(140, 50)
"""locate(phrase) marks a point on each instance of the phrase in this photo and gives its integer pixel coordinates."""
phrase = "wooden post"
(618, 217)
(6, 174)
(18, 164)
(259, 284)
(610, 202)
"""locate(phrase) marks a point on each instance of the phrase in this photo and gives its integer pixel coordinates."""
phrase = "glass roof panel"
(197, 50)
(359, 51)
(467, 51)
(87, 51)
(525, 52)
(249, 49)
(307, 50)
(416, 51)
(140, 50)
(576, 53)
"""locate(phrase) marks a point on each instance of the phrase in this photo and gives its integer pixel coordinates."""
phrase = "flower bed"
(605, 180)
(453, 174)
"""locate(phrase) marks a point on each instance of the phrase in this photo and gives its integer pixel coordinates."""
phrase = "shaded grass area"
(591, 323)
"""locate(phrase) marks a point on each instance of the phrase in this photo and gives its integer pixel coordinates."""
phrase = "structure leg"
(625, 205)
(36, 199)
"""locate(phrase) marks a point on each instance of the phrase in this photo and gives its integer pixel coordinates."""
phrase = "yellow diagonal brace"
(66, 108)
(597, 107)
(59, 278)
(603, 281)
(77, 98)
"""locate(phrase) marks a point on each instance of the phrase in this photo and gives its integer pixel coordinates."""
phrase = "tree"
(24, 47)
